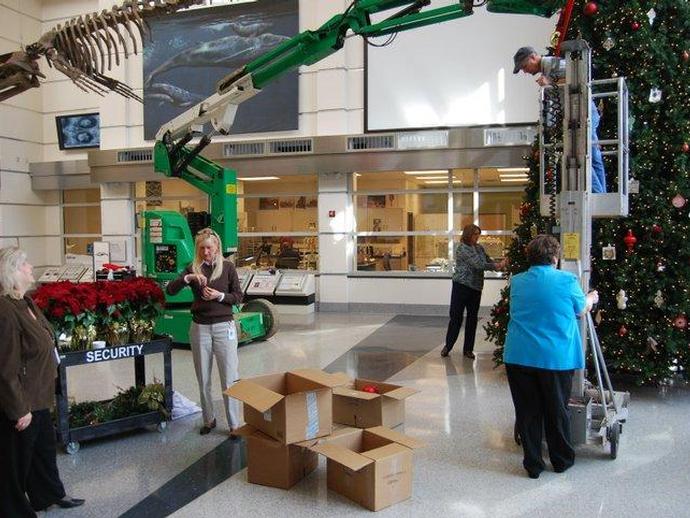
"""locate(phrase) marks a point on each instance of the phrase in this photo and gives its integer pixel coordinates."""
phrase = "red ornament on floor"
(370, 388)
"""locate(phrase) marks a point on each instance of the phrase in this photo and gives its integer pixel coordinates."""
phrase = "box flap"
(245, 431)
(253, 394)
(342, 378)
(398, 437)
(344, 391)
(384, 452)
(347, 458)
(401, 393)
(319, 376)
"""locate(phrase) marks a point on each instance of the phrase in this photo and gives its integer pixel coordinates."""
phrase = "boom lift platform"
(597, 411)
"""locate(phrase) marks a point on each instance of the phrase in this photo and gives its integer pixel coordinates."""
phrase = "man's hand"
(543, 81)
(210, 294)
(23, 422)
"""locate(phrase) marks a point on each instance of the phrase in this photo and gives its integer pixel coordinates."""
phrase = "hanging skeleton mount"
(84, 47)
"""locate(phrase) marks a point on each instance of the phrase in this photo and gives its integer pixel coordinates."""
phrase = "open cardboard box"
(354, 407)
(272, 463)
(289, 407)
(372, 467)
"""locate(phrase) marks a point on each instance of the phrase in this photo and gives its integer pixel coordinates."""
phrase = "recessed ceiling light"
(436, 172)
(258, 178)
(512, 169)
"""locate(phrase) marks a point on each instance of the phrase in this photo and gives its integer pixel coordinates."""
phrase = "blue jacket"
(544, 331)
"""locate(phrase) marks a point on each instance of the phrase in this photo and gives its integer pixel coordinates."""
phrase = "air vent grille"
(369, 142)
(141, 155)
(244, 149)
(290, 146)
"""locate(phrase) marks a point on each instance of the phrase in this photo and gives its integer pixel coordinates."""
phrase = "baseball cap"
(521, 55)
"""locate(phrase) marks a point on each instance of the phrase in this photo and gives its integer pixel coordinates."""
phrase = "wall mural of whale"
(190, 51)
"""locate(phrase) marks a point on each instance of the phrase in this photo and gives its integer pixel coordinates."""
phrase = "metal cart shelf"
(70, 437)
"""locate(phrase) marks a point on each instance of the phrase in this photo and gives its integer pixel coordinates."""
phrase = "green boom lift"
(167, 240)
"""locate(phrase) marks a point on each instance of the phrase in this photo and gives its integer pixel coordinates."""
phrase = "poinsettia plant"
(67, 305)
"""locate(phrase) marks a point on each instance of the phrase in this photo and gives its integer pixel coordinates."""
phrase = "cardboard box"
(372, 467)
(353, 407)
(289, 407)
(272, 463)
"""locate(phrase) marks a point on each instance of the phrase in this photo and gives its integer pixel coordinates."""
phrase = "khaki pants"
(219, 340)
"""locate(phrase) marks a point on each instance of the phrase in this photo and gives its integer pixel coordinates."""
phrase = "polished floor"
(471, 466)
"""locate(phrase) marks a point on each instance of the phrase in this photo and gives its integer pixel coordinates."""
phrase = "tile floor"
(470, 468)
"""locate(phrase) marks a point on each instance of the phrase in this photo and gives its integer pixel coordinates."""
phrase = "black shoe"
(561, 469)
(533, 474)
(469, 354)
(206, 429)
(68, 502)
(445, 351)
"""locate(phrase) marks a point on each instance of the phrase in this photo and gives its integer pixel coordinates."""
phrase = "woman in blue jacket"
(543, 347)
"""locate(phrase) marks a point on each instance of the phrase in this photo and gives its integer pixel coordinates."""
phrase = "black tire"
(614, 432)
(269, 311)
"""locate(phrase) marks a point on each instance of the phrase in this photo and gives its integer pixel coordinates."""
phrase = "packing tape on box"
(267, 415)
(312, 416)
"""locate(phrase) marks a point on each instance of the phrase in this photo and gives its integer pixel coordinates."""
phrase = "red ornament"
(656, 229)
(630, 240)
(590, 9)
(524, 209)
(680, 322)
(685, 55)
(635, 26)
(685, 147)
(622, 331)
(678, 201)
(370, 388)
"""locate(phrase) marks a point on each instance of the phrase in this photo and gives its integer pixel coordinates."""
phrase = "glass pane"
(403, 253)
(503, 177)
(169, 187)
(79, 245)
(81, 196)
(495, 246)
(285, 184)
(278, 214)
(401, 212)
(280, 252)
(463, 213)
(412, 180)
(499, 210)
(82, 220)
(182, 206)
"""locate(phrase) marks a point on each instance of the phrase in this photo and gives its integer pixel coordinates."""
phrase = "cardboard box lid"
(342, 378)
(344, 456)
(384, 452)
(319, 376)
(254, 395)
(349, 392)
(400, 393)
(398, 437)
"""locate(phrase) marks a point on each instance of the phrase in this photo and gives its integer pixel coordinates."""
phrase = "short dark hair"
(542, 250)
(468, 232)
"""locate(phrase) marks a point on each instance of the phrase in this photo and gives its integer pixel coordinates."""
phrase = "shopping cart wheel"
(614, 432)
(72, 448)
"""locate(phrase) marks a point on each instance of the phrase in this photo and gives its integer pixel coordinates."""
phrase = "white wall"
(28, 219)
(330, 103)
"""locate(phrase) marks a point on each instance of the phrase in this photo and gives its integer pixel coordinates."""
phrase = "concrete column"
(118, 225)
(336, 247)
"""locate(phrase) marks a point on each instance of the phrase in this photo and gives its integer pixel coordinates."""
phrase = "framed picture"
(78, 131)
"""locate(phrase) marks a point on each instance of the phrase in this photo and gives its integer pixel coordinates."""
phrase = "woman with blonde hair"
(216, 289)
(29, 476)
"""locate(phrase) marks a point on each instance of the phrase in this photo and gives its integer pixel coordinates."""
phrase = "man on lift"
(552, 67)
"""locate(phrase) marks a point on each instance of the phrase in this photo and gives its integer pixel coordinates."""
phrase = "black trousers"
(541, 399)
(29, 477)
(463, 298)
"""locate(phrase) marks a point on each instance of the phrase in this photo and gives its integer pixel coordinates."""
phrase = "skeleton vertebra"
(84, 47)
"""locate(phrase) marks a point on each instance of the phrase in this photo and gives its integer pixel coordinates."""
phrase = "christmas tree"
(643, 287)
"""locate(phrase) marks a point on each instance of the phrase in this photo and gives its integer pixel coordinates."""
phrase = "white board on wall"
(457, 73)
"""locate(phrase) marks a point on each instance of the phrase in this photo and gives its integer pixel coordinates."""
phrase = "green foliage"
(649, 338)
(129, 402)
